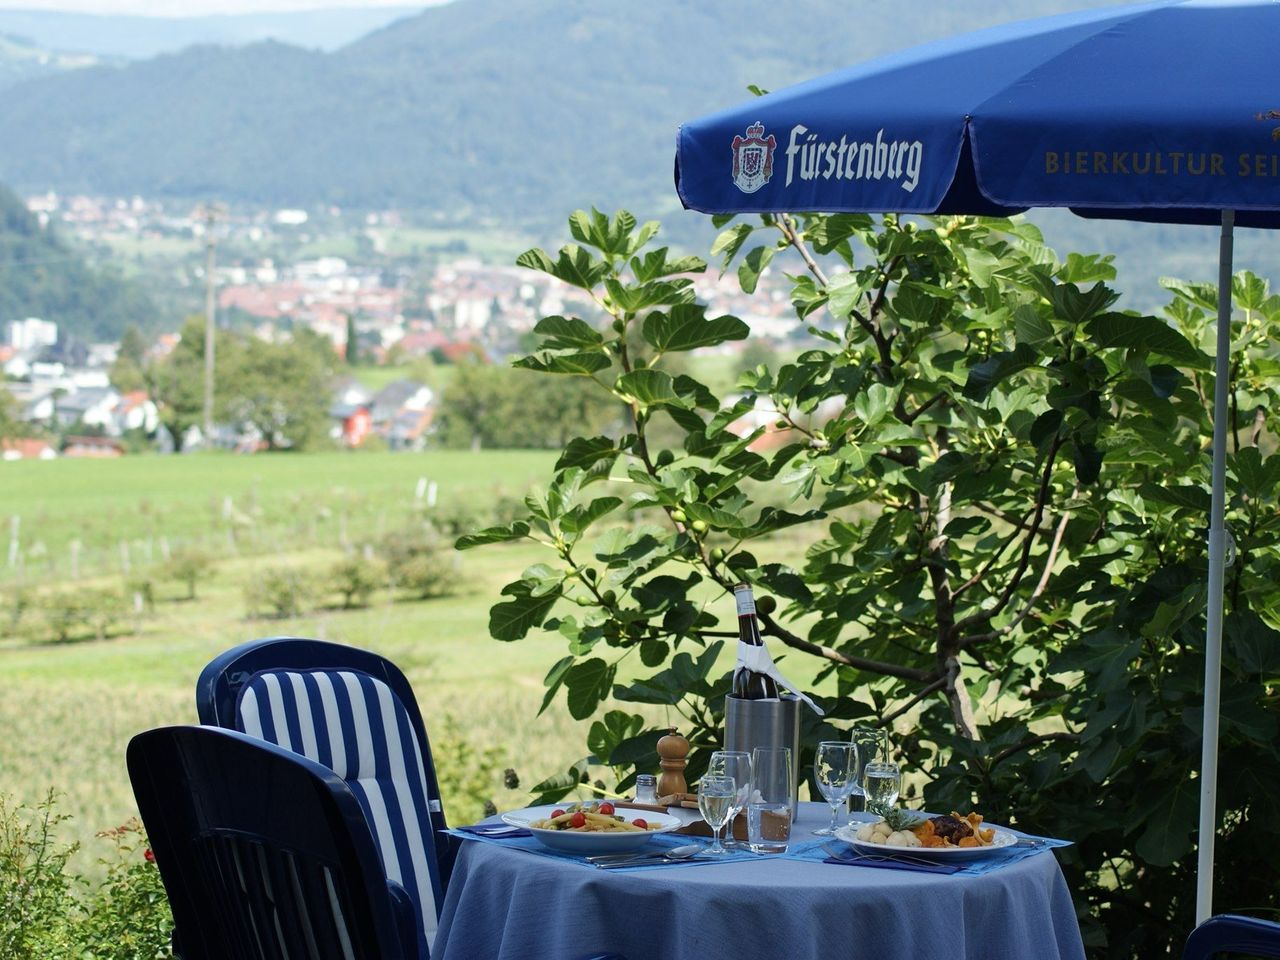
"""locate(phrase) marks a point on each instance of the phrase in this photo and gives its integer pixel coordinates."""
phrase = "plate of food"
(594, 827)
(948, 837)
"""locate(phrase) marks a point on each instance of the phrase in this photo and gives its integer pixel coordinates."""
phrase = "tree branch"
(1030, 742)
(787, 225)
(924, 692)
(1042, 499)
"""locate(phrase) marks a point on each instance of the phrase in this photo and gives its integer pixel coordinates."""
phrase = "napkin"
(500, 831)
(857, 860)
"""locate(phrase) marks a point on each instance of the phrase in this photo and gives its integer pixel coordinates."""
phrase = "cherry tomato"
(579, 819)
(606, 808)
(557, 813)
(642, 823)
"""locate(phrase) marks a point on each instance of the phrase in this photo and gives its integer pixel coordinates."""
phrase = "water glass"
(769, 803)
(716, 797)
(881, 783)
(736, 764)
(835, 768)
(873, 745)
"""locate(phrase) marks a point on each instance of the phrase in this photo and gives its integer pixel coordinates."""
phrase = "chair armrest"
(407, 926)
(1233, 934)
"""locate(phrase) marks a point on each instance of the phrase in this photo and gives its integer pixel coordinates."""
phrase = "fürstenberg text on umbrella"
(847, 159)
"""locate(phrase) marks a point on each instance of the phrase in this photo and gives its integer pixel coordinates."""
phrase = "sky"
(195, 8)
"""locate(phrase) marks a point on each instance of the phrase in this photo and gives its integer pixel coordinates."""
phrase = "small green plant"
(17, 603)
(420, 564)
(280, 592)
(82, 613)
(469, 774)
(189, 566)
(428, 575)
(35, 889)
(48, 912)
(355, 578)
(128, 916)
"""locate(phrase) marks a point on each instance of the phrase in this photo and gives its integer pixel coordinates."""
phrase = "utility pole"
(210, 212)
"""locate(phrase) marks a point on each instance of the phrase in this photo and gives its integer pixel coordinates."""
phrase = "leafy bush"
(1004, 485)
(188, 566)
(124, 917)
(355, 578)
(18, 600)
(469, 774)
(80, 613)
(280, 592)
(418, 563)
(127, 917)
(36, 896)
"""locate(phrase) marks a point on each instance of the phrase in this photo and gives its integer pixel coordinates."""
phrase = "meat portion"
(951, 828)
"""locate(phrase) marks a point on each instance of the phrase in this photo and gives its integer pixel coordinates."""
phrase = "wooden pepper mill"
(673, 750)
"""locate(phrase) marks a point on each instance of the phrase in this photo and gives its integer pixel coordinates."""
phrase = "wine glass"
(835, 768)
(873, 745)
(736, 764)
(881, 783)
(716, 797)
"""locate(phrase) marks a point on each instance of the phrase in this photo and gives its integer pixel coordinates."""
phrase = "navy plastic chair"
(264, 855)
(353, 712)
(1232, 934)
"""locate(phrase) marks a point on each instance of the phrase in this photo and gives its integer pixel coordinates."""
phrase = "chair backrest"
(1228, 934)
(264, 855)
(354, 712)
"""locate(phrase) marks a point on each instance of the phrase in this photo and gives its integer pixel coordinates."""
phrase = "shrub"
(280, 592)
(17, 602)
(469, 774)
(419, 564)
(355, 578)
(76, 614)
(128, 916)
(189, 566)
(428, 575)
(125, 917)
(35, 889)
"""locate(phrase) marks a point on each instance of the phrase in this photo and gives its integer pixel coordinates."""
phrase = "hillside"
(40, 276)
(137, 37)
(493, 111)
(478, 106)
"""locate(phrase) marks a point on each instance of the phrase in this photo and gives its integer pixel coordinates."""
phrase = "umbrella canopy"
(1166, 111)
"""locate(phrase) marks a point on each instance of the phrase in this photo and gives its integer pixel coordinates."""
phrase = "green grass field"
(253, 504)
(67, 710)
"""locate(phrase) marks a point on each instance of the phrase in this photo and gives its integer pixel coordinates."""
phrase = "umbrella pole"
(1217, 572)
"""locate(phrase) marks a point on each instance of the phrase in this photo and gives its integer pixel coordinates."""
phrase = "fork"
(877, 857)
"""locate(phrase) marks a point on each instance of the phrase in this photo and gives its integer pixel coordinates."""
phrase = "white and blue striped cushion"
(356, 726)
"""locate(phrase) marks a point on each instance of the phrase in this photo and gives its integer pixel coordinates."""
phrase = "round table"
(507, 904)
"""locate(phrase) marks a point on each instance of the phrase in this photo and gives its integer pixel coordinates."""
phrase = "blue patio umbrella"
(1166, 111)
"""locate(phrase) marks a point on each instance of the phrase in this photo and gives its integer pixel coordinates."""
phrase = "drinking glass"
(873, 745)
(835, 768)
(736, 764)
(716, 797)
(769, 804)
(881, 783)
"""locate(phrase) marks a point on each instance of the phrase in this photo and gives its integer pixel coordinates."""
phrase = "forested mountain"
(40, 276)
(480, 106)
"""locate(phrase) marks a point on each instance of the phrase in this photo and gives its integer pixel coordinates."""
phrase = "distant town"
(407, 303)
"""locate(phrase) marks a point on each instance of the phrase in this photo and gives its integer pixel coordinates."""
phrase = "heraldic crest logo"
(1267, 116)
(753, 158)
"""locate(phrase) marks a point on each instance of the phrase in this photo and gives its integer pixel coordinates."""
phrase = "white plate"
(571, 841)
(1003, 838)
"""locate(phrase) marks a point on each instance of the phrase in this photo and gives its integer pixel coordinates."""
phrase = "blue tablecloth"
(505, 904)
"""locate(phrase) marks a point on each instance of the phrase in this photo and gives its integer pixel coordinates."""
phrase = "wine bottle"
(749, 684)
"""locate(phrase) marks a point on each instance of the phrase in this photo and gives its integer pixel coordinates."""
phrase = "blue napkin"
(857, 860)
(499, 831)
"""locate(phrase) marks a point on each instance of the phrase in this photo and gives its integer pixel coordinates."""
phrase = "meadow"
(68, 709)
